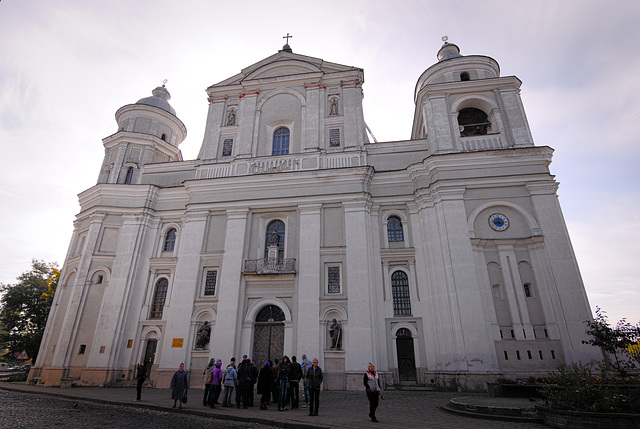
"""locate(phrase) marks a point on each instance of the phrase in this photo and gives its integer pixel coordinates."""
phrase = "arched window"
(169, 240)
(275, 236)
(400, 293)
(394, 229)
(270, 314)
(163, 137)
(464, 76)
(127, 180)
(281, 141)
(159, 298)
(473, 122)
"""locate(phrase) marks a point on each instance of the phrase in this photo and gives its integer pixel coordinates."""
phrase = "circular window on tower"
(498, 222)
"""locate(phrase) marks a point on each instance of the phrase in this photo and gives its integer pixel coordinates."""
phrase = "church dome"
(448, 51)
(159, 99)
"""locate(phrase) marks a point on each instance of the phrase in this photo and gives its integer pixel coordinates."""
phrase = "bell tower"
(148, 132)
(464, 105)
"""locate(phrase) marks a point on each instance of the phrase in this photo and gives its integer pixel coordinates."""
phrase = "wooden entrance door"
(406, 356)
(268, 337)
(150, 354)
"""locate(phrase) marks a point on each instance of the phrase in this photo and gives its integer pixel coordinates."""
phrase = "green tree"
(613, 340)
(24, 308)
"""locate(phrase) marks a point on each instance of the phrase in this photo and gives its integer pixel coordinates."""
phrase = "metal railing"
(270, 266)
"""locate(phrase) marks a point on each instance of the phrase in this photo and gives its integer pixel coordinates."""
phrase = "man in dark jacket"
(253, 371)
(294, 382)
(244, 383)
(314, 380)
(283, 376)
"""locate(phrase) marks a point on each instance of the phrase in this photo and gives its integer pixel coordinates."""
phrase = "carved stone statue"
(334, 107)
(275, 238)
(231, 117)
(335, 330)
(204, 333)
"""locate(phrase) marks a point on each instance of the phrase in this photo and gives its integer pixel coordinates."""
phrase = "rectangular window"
(529, 354)
(518, 354)
(333, 279)
(210, 280)
(227, 147)
(83, 348)
(527, 290)
(334, 137)
(540, 353)
(506, 355)
(553, 354)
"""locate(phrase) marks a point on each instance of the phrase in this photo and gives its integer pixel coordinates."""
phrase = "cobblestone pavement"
(114, 408)
(24, 410)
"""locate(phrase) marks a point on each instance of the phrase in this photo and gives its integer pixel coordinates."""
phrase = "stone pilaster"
(225, 336)
(186, 287)
(64, 348)
(309, 281)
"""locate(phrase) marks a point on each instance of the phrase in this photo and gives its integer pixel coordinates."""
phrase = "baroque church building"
(443, 259)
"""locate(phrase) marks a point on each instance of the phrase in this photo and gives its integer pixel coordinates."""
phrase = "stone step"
(515, 410)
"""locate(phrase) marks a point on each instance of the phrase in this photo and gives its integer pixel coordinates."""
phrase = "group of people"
(277, 382)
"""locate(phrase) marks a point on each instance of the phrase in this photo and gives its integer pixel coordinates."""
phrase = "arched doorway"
(406, 356)
(268, 337)
(150, 354)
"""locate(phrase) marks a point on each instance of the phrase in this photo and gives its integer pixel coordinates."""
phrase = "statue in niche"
(204, 333)
(333, 111)
(231, 117)
(275, 238)
(335, 331)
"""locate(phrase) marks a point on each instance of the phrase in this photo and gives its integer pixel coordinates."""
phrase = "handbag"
(184, 397)
(210, 378)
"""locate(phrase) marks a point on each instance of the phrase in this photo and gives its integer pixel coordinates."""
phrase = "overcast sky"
(67, 66)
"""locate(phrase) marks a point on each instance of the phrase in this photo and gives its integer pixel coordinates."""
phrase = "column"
(63, 353)
(185, 287)
(211, 141)
(245, 119)
(313, 121)
(515, 294)
(309, 281)
(115, 309)
(361, 311)
(225, 339)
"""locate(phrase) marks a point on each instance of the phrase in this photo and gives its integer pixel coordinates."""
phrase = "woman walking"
(372, 386)
(179, 385)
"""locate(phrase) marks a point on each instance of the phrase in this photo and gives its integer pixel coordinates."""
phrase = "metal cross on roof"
(287, 37)
(445, 38)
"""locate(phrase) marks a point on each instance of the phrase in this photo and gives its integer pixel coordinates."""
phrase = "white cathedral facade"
(444, 259)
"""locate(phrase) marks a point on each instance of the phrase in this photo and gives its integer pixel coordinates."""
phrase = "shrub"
(579, 387)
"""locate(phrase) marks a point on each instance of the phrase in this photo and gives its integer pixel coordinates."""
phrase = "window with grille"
(400, 294)
(394, 229)
(333, 279)
(227, 147)
(210, 280)
(159, 298)
(334, 137)
(280, 141)
(169, 240)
